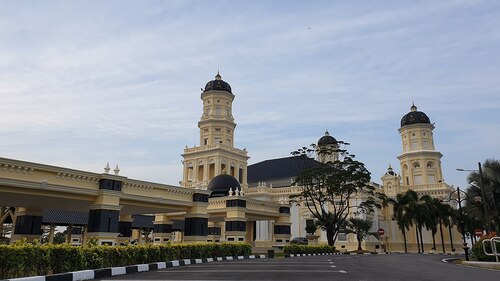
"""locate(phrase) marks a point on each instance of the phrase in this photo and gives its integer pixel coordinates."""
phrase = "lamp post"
(481, 186)
(460, 200)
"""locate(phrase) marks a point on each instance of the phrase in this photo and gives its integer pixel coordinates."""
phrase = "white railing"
(214, 146)
(493, 244)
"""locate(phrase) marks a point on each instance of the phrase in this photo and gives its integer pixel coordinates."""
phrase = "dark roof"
(142, 221)
(221, 184)
(64, 217)
(218, 84)
(280, 168)
(415, 117)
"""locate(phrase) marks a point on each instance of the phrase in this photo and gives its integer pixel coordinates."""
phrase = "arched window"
(430, 164)
(416, 165)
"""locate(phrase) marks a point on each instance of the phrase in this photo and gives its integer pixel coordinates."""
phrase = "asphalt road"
(340, 267)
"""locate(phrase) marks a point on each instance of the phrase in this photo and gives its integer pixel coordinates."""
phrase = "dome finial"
(390, 168)
(413, 108)
(327, 133)
(218, 77)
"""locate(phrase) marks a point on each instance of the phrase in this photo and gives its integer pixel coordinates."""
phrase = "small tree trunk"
(433, 240)
(404, 239)
(451, 238)
(442, 237)
(421, 239)
(418, 241)
(359, 244)
(329, 236)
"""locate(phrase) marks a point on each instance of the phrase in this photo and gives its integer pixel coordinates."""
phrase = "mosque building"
(220, 197)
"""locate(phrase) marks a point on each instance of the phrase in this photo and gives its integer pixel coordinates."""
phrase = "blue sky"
(83, 83)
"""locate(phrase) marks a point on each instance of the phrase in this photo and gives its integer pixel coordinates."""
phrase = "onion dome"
(390, 171)
(221, 184)
(415, 117)
(327, 139)
(218, 85)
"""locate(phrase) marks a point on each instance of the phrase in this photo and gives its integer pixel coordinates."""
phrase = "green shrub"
(308, 249)
(22, 259)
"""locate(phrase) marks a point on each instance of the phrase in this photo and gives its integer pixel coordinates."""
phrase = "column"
(28, 224)
(125, 229)
(51, 233)
(105, 212)
(196, 221)
(235, 221)
(282, 225)
(162, 231)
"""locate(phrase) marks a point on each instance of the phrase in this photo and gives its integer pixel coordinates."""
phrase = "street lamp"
(481, 186)
(460, 200)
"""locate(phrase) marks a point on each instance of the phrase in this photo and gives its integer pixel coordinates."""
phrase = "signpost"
(478, 232)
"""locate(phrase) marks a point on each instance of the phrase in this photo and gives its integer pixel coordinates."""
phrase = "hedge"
(23, 260)
(478, 252)
(308, 249)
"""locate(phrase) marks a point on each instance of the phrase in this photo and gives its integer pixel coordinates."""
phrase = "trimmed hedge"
(478, 252)
(308, 249)
(30, 260)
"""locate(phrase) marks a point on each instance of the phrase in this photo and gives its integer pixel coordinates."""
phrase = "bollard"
(270, 254)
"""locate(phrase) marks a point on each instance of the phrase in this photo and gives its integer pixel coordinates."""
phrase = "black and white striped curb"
(306, 255)
(113, 271)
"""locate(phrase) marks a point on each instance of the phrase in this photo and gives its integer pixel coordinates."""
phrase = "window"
(416, 165)
(417, 179)
(425, 143)
(208, 111)
(342, 237)
(205, 141)
(414, 144)
(217, 111)
(430, 164)
(431, 178)
(217, 140)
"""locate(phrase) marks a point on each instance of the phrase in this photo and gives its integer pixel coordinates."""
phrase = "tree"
(360, 227)
(417, 212)
(398, 213)
(491, 187)
(328, 189)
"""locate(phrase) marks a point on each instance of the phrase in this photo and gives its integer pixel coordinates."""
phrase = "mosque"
(220, 197)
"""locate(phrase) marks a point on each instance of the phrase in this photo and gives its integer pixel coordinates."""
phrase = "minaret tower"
(327, 149)
(420, 162)
(216, 154)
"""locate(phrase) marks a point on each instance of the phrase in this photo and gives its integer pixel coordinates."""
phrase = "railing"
(494, 250)
(214, 146)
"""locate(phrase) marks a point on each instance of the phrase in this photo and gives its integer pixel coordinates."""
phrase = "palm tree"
(432, 222)
(398, 214)
(490, 191)
(361, 227)
(417, 211)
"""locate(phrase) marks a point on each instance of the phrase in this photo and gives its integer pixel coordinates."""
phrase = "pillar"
(69, 233)
(28, 224)
(196, 220)
(282, 225)
(105, 212)
(125, 229)
(162, 231)
(235, 221)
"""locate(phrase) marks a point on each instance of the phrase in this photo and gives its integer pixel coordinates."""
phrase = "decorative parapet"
(16, 169)
(76, 177)
(213, 147)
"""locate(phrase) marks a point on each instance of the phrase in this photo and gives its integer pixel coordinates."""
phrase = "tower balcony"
(211, 147)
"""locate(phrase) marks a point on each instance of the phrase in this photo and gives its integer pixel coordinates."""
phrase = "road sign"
(380, 231)
(478, 232)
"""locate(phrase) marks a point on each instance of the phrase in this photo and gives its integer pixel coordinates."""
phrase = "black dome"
(327, 139)
(218, 84)
(221, 184)
(415, 117)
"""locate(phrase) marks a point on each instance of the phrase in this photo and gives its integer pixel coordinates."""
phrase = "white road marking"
(333, 266)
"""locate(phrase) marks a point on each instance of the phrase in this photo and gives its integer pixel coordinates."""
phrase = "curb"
(306, 255)
(114, 271)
